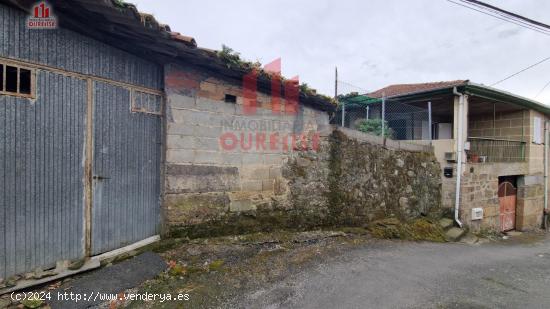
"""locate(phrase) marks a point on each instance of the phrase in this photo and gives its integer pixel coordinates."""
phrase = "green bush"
(374, 126)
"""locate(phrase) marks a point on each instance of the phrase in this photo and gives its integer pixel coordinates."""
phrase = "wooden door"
(507, 196)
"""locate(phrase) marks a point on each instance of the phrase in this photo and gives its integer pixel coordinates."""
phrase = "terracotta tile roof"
(149, 21)
(176, 36)
(401, 89)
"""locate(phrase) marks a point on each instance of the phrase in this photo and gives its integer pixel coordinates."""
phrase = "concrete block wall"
(219, 159)
(506, 125)
(535, 151)
(530, 205)
(514, 126)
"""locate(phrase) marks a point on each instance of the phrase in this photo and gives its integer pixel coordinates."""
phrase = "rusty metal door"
(507, 196)
(126, 167)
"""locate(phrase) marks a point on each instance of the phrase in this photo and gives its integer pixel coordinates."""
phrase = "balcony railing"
(495, 150)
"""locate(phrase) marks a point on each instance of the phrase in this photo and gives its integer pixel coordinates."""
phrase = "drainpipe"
(459, 150)
(546, 142)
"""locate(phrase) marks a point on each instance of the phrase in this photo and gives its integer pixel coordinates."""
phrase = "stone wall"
(228, 171)
(530, 202)
(480, 190)
(353, 180)
(480, 183)
(219, 159)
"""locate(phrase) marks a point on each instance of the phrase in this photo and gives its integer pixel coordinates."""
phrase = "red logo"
(42, 17)
(41, 11)
(291, 89)
(272, 134)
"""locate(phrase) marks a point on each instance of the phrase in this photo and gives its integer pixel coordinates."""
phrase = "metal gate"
(507, 200)
(47, 146)
(43, 180)
(126, 167)
(42, 175)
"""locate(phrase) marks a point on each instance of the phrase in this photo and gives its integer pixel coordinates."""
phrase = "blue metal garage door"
(126, 167)
(42, 175)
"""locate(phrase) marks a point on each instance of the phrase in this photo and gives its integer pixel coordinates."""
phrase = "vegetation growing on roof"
(348, 95)
(304, 87)
(233, 60)
(147, 20)
(122, 4)
(119, 3)
(308, 91)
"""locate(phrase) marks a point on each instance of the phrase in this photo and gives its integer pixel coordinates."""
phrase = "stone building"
(220, 158)
(116, 130)
(489, 141)
(101, 108)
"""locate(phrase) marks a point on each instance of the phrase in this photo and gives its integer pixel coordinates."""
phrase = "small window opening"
(230, 98)
(24, 81)
(11, 79)
(15, 80)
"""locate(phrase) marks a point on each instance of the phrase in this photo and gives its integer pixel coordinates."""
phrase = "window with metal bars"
(16, 80)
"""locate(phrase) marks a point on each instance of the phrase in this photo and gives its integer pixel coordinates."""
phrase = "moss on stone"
(215, 265)
(241, 223)
(335, 195)
(346, 183)
(352, 230)
(422, 229)
(388, 229)
(418, 229)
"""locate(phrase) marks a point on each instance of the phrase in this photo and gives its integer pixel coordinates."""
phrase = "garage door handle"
(100, 177)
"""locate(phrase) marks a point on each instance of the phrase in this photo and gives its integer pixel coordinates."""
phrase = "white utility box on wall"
(477, 213)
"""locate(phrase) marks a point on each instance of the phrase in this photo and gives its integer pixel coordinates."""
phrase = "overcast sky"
(373, 43)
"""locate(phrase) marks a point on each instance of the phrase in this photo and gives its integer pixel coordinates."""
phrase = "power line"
(548, 83)
(507, 16)
(352, 85)
(503, 17)
(510, 17)
(517, 16)
(514, 20)
(520, 71)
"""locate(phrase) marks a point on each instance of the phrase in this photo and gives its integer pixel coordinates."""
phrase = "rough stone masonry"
(229, 172)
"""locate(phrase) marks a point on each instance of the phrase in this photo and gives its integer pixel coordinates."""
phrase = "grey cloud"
(508, 33)
(373, 43)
